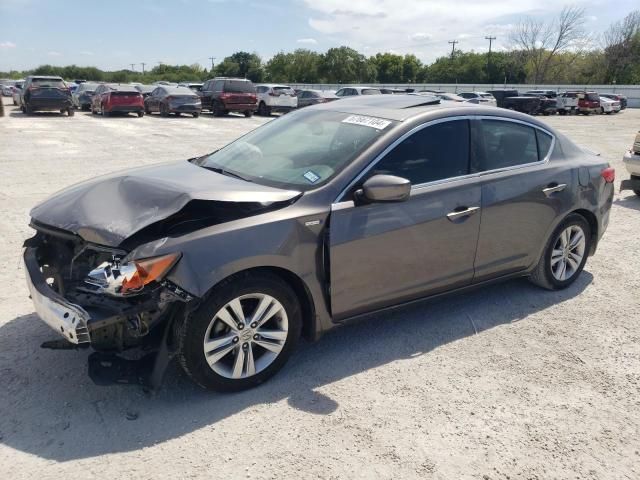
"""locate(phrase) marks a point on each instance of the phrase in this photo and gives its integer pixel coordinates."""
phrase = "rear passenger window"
(544, 144)
(507, 144)
(434, 153)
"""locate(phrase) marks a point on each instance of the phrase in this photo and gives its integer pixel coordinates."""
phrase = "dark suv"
(223, 95)
(46, 93)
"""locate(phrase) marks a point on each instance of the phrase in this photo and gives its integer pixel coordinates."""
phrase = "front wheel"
(71, 112)
(242, 334)
(565, 255)
(248, 113)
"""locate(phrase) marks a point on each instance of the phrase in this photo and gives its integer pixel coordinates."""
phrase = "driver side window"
(436, 152)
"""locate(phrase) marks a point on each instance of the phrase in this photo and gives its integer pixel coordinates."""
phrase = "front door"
(387, 253)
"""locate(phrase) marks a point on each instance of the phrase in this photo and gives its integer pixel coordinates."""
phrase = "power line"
(133, 67)
(453, 46)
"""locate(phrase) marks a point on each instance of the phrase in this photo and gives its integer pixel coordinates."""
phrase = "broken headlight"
(117, 278)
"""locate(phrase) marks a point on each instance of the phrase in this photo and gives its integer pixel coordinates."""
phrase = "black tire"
(71, 112)
(195, 114)
(542, 275)
(163, 111)
(248, 113)
(146, 110)
(637, 192)
(216, 110)
(263, 110)
(28, 110)
(191, 334)
(84, 108)
(140, 114)
(562, 112)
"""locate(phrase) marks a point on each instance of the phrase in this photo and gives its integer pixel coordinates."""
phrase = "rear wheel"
(263, 110)
(71, 112)
(195, 114)
(565, 254)
(141, 114)
(242, 334)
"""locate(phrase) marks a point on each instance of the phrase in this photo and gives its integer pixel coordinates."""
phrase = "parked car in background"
(355, 91)
(196, 87)
(617, 97)
(324, 215)
(222, 95)
(72, 87)
(145, 90)
(609, 106)
(450, 97)
(313, 97)
(110, 98)
(547, 106)
(545, 93)
(166, 99)
(588, 102)
(275, 98)
(45, 93)
(510, 99)
(7, 89)
(17, 91)
(631, 161)
(567, 103)
(83, 95)
(480, 98)
(166, 83)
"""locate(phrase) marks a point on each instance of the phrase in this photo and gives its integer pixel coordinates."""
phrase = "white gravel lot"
(549, 387)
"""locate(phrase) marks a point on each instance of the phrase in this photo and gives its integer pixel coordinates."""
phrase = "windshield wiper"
(222, 171)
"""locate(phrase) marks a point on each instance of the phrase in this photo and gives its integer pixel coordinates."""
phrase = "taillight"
(609, 174)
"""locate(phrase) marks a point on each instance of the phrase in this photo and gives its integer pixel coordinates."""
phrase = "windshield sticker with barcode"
(377, 123)
(312, 177)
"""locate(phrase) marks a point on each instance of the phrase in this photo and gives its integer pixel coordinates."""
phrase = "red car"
(114, 98)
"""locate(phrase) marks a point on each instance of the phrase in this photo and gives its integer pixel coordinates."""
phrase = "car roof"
(177, 90)
(407, 107)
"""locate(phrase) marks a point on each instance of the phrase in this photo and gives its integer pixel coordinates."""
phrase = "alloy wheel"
(568, 252)
(246, 336)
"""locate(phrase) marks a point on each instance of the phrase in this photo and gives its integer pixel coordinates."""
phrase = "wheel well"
(300, 289)
(593, 224)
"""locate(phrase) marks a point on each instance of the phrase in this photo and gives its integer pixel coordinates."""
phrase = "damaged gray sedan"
(321, 216)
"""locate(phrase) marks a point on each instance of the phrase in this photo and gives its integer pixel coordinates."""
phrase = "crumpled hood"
(108, 209)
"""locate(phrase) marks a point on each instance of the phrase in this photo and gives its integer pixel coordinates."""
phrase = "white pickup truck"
(631, 161)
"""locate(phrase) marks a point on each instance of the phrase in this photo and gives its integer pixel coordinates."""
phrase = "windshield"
(299, 151)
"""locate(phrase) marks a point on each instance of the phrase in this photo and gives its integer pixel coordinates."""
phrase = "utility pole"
(133, 67)
(143, 64)
(453, 46)
(491, 39)
(212, 59)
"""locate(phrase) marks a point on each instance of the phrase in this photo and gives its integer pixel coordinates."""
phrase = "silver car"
(314, 219)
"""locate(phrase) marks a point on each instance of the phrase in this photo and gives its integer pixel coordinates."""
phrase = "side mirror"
(386, 188)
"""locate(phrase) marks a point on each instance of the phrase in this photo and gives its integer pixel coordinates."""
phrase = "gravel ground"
(505, 382)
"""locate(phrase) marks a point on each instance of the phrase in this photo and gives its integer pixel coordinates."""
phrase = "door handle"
(557, 188)
(464, 212)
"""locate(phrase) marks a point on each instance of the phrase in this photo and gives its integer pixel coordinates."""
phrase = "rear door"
(386, 253)
(522, 194)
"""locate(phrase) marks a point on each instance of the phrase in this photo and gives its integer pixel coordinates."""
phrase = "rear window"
(239, 86)
(592, 96)
(507, 144)
(486, 95)
(285, 90)
(371, 91)
(48, 82)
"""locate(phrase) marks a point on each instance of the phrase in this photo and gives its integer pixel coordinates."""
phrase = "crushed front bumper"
(66, 318)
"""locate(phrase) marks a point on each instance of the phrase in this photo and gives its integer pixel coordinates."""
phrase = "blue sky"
(112, 34)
